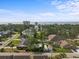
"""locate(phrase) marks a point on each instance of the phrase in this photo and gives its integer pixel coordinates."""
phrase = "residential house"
(56, 39)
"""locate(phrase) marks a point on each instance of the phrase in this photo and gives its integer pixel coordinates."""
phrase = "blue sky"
(39, 10)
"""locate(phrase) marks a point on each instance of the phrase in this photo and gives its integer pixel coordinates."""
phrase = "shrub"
(2, 50)
(61, 50)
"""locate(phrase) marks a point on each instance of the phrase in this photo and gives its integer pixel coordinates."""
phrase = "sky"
(39, 10)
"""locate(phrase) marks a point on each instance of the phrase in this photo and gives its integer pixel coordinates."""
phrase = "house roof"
(55, 37)
(63, 43)
(50, 37)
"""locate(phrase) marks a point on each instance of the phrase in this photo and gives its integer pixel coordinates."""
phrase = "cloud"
(15, 16)
(74, 14)
(67, 5)
(55, 2)
(10, 16)
(68, 10)
(47, 14)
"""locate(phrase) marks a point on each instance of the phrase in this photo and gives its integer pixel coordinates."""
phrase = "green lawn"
(16, 42)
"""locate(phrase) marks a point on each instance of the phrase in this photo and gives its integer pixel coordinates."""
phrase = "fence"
(21, 56)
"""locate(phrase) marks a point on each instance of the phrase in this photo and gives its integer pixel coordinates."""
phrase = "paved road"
(9, 41)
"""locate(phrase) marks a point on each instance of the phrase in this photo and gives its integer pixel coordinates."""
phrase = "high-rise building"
(26, 22)
(36, 26)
